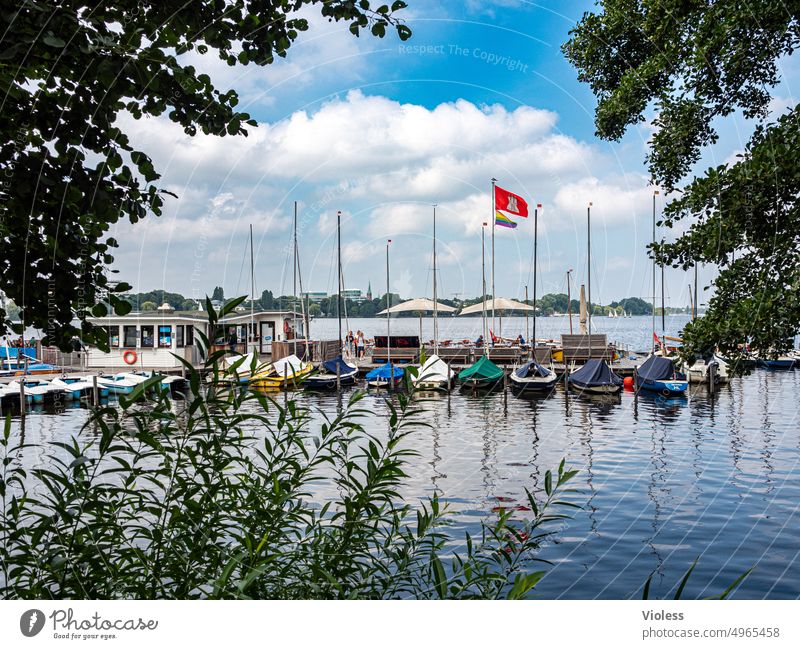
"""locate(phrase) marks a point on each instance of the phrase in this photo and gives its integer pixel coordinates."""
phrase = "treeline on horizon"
(327, 307)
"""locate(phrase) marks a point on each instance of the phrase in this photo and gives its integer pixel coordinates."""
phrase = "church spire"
(369, 291)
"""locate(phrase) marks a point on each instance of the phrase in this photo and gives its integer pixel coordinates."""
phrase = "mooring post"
(338, 376)
(95, 394)
(285, 386)
(712, 377)
(22, 397)
(505, 393)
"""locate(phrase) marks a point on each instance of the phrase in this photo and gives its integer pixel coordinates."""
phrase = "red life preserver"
(286, 327)
(129, 357)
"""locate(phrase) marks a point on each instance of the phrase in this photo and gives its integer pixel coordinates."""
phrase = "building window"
(189, 335)
(130, 336)
(113, 336)
(178, 336)
(147, 336)
(165, 336)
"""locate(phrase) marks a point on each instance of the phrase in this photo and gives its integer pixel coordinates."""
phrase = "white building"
(150, 339)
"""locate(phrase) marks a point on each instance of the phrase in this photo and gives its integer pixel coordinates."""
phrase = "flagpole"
(435, 303)
(494, 212)
(655, 193)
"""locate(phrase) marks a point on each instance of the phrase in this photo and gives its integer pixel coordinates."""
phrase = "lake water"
(661, 481)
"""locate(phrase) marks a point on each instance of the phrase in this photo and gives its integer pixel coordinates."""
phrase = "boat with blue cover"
(779, 363)
(532, 377)
(385, 375)
(595, 377)
(329, 372)
(481, 375)
(658, 374)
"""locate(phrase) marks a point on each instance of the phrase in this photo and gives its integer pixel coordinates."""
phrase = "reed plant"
(223, 495)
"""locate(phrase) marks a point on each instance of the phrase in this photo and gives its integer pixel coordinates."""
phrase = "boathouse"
(149, 339)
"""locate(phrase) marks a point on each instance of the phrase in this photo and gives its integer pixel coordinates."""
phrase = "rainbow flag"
(502, 219)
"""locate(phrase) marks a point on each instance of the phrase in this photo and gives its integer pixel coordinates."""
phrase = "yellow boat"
(284, 373)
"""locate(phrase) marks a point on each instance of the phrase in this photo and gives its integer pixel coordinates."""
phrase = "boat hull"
(532, 385)
(480, 384)
(665, 388)
(328, 381)
(277, 382)
(594, 389)
(778, 364)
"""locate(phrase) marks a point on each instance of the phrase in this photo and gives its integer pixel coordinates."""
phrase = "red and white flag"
(507, 202)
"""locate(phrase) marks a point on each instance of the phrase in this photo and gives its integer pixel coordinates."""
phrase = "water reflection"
(661, 481)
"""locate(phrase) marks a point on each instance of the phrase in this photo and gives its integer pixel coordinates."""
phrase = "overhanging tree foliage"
(68, 172)
(693, 63)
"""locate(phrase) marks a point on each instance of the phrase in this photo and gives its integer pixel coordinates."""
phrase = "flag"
(508, 202)
(502, 219)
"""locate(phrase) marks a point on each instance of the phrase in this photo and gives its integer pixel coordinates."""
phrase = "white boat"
(117, 383)
(698, 372)
(532, 378)
(238, 368)
(433, 375)
(37, 391)
(77, 386)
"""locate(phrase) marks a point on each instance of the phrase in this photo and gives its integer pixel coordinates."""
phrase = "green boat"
(482, 375)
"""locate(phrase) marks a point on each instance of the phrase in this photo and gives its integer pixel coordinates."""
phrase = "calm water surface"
(661, 482)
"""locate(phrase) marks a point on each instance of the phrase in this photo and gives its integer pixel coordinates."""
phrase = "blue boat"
(658, 374)
(382, 376)
(781, 363)
(329, 372)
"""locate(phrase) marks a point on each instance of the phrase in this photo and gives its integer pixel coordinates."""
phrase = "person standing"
(232, 340)
(361, 342)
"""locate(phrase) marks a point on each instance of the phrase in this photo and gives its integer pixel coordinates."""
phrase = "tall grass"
(218, 496)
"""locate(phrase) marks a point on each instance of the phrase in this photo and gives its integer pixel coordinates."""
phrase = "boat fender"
(628, 382)
(129, 357)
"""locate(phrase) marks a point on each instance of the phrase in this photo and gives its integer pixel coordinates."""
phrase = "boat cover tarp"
(594, 374)
(287, 366)
(657, 368)
(385, 372)
(338, 364)
(482, 369)
(531, 370)
(434, 369)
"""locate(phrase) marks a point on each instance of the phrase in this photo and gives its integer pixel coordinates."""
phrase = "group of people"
(355, 344)
(19, 342)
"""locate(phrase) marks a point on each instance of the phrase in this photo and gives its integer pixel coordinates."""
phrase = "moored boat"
(531, 378)
(658, 374)
(778, 363)
(330, 373)
(116, 383)
(384, 376)
(481, 375)
(434, 374)
(595, 377)
(78, 387)
(287, 372)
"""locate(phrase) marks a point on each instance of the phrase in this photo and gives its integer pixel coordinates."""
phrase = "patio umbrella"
(500, 304)
(420, 305)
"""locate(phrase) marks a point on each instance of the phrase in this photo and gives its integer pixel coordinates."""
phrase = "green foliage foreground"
(213, 497)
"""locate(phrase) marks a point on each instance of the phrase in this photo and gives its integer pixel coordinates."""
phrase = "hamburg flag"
(508, 202)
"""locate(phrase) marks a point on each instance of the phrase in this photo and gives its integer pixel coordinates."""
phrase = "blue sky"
(381, 130)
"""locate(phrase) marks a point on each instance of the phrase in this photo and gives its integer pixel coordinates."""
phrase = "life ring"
(286, 327)
(129, 357)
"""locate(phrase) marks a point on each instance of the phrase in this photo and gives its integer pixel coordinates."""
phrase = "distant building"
(314, 296)
(369, 292)
(353, 294)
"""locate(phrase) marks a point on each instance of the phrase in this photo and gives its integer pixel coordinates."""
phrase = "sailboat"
(658, 373)
(387, 375)
(595, 376)
(434, 374)
(532, 377)
(335, 373)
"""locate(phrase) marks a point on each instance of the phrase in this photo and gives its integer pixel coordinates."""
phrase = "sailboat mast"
(535, 253)
(655, 193)
(252, 294)
(435, 303)
(294, 285)
(589, 269)
(339, 273)
(388, 313)
(691, 302)
(527, 333)
(694, 308)
(569, 301)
